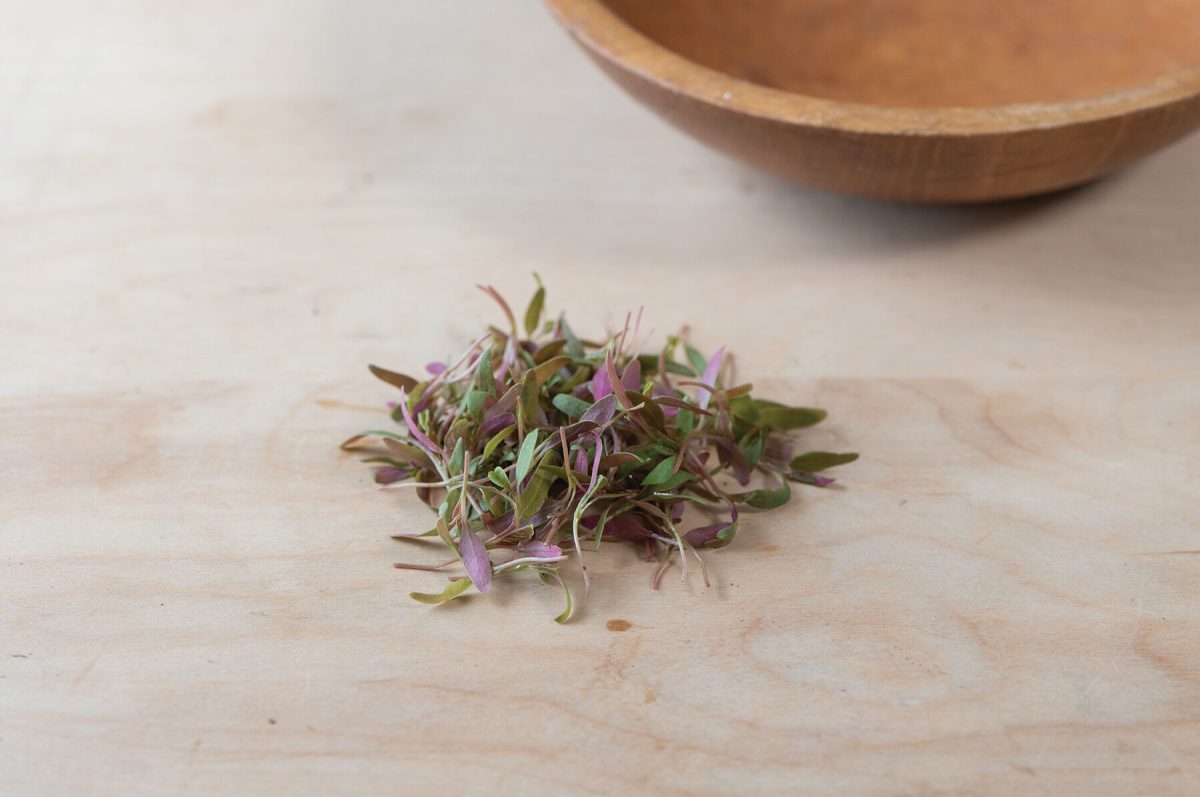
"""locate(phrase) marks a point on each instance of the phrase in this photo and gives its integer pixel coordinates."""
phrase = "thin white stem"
(524, 560)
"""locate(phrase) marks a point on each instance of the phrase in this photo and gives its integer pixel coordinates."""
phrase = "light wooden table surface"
(213, 215)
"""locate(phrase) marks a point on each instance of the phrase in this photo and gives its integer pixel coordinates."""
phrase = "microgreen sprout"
(534, 447)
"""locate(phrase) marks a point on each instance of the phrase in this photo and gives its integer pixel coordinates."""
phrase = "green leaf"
(766, 499)
(395, 463)
(570, 405)
(546, 574)
(660, 473)
(778, 416)
(499, 478)
(753, 447)
(451, 501)
(551, 349)
(407, 451)
(533, 313)
(451, 592)
(647, 452)
(598, 531)
(685, 422)
(574, 346)
(497, 439)
(542, 374)
(456, 458)
(743, 407)
(525, 455)
(581, 375)
(485, 380)
(678, 478)
(443, 531)
(699, 361)
(816, 461)
(725, 536)
(620, 458)
(650, 365)
(650, 412)
(474, 400)
(527, 404)
(534, 494)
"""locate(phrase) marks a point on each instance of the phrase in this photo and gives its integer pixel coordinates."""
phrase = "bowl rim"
(606, 35)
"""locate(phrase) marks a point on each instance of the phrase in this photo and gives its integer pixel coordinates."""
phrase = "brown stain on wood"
(923, 101)
(618, 625)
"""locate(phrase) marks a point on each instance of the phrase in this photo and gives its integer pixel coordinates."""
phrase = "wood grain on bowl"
(929, 101)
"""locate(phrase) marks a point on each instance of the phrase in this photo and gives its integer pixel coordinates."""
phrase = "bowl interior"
(929, 53)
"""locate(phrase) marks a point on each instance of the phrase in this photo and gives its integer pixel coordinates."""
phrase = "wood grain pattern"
(919, 101)
(207, 231)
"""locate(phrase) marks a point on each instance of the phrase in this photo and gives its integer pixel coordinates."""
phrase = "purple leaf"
(580, 428)
(614, 380)
(716, 535)
(538, 549)
(814, 479)
(702, 535)
(496, 423)
(498, 525)
(627, 527)
(490, 291)
(778, 449)
(599, 455)
(506, 403)
(601, 386)
(661, 392)
(390, 475)
(475, 559)
(414, 430)
(632, 378)
(602, 411)
(436, 368)
(732, 457)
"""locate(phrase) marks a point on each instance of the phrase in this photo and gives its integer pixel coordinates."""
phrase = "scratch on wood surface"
(84, 672)
(1113, 664)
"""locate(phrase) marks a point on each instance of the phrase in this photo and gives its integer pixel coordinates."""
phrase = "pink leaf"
(601, 387)
(540, 550)
(475, 559)
(632, 378)
(709, 377)
(415, 430)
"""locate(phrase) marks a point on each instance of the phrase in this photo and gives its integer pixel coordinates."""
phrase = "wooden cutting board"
(212, 216)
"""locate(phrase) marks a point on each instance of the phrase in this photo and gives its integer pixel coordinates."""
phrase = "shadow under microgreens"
(535, 444)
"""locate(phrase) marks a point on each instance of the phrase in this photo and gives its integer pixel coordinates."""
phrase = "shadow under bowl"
(912, 100)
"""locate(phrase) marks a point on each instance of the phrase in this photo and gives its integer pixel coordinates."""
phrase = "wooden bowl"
(917, 100)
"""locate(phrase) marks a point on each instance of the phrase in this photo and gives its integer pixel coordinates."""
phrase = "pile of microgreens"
(529, 446)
